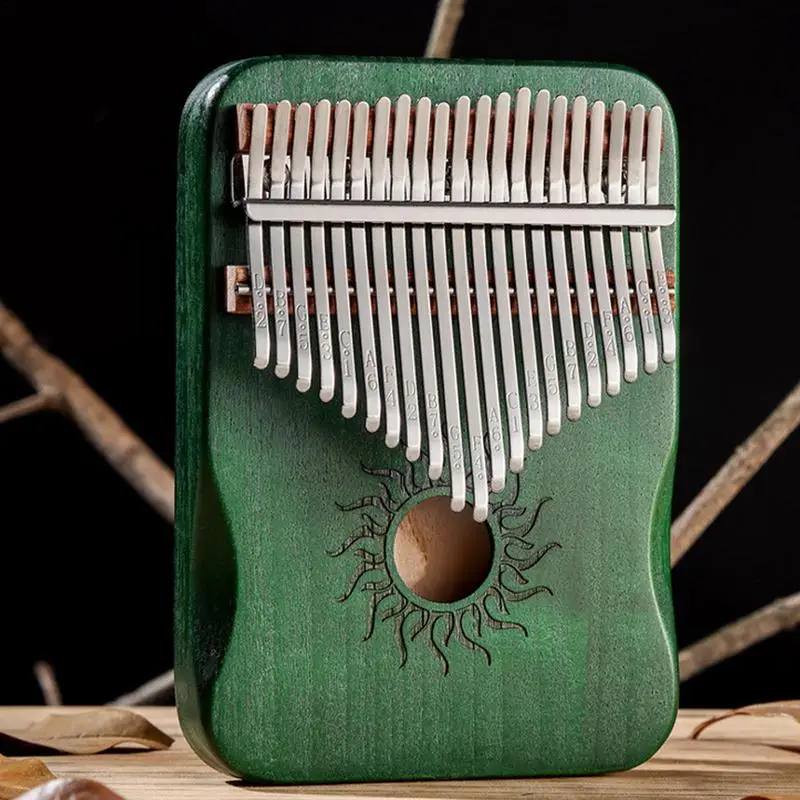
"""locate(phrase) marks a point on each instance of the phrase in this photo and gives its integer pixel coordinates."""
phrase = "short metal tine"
(479, 193)
(618, 260)
(557, 193)
(344, 324)
(299, 178)
(541, 116)
(358, 192)
(320, 190)
(401, 192)
(640, 279)
(597, 128)
(420, 191)
(499, 192)
(519, 253)
(652, 171)
(255, 238)
(277, 240)
(452, 405)
(577, 194)
(472, 390)
(378, 193)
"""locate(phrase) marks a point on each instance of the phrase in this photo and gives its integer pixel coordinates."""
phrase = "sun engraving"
(439, 625)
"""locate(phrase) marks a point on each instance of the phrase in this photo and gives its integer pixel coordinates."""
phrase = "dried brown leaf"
(771, 797)
(71, 789)
(20, 774)
(84, 733)
(785, 708)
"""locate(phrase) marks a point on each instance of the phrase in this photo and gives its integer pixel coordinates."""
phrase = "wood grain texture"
(288, 668)
(732, 760)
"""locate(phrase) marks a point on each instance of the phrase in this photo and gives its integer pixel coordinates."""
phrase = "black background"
(91, 102)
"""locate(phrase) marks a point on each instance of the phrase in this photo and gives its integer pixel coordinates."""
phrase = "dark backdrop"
(91, 102)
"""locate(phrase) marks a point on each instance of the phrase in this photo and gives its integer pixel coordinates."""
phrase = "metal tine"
(541, 114)
(401, 191)
(558, 243)
(597, 125)
(577, 194)
(618, 261)
(378, 192)
(480, 191)
(455, 443)
(421, 191)
(519, 251)
(255, 238)
(344, 324)
(500, 194)
(277, 241)
(358, 192)
(640, 279)
(668, 339)
(459, 193)
(299, 177)
(320, 190)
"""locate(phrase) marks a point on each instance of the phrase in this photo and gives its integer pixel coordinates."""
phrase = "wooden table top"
(737, 757)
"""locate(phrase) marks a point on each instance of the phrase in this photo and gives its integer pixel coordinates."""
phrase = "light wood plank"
(731, 760)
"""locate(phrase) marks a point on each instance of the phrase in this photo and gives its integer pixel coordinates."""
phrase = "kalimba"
(427, 416)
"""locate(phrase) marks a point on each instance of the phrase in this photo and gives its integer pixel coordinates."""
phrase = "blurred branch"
(445, 27)
(46, 678)
(63, 389)
(153, 690)
(782, 615)
(40, 401)
(734, 475)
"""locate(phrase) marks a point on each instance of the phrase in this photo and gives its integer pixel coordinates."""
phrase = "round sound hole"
(441, 555)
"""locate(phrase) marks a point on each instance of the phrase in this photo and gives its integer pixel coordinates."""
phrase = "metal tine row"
(450, 170)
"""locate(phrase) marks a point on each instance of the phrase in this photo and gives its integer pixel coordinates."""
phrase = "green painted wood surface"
(275, 680)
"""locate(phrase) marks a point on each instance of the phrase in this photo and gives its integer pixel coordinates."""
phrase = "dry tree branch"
(148, 692)
(782, 615)
(46, 678)
(734, 475)
(63, 389)
(40, 401)
(445, 27)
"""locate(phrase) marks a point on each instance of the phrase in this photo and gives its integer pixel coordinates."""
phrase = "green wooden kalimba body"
(301, 653)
